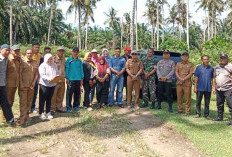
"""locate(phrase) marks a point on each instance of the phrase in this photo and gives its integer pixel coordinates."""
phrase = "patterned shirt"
(149, 65)
(3, 67)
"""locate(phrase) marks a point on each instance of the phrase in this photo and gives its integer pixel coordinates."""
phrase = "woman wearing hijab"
(102, 74)
(47, 71)
(106, 54)
(89, 81)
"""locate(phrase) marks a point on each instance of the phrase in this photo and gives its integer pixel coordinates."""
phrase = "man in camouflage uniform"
(165, 71)
(149, 86)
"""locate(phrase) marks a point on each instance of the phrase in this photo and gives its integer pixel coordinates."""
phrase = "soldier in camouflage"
(149, 86)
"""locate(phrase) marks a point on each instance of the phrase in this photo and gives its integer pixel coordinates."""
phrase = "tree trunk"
(86, 33)
(79, 26)
(122, 33)
(163, 24)
(152, 36)
(208, 25)
(157, 26)
(50, 25)
(137, 46)
(11, 28)
(132, 25)
(188, 23)
(204, 27)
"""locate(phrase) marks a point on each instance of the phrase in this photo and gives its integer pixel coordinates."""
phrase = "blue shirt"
(205, 75)
(74, 69)
(117, 63)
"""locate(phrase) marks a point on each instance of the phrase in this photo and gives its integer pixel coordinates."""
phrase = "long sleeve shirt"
(3, 67)
(74, 69)
(44, 75)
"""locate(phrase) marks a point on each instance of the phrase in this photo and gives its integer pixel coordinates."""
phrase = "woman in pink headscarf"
(102, 74)
(47, 71)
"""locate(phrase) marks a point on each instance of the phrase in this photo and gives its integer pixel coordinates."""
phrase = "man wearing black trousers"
(222, 86)
(203, 85)
(6, 108)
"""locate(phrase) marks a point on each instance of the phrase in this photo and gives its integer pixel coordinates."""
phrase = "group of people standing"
(105, 74)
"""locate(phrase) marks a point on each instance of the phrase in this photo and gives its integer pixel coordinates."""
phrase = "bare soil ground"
(105, 132)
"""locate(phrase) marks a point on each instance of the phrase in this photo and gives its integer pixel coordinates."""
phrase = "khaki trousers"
(58, 97)
(25, 98)
(186, 92)
(133, 84)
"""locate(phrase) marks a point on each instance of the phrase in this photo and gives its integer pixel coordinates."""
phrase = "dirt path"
(106, 132)
(161, 137)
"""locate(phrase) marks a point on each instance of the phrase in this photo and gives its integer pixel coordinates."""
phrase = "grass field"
(212, 138)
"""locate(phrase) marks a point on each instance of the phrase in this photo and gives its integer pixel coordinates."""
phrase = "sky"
(123, 6)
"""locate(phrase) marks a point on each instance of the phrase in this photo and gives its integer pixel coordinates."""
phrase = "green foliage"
(213, 49)
(174, 45)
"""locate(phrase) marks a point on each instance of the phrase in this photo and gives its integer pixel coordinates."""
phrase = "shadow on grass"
(110, 126)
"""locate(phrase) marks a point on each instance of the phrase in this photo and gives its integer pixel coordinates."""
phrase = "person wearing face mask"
(47, 71)
(5, 105)
(102, 74)
(222, 86)
(184, 72)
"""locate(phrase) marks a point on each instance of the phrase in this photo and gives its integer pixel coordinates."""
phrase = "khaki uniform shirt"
(223, 77)
(28, 70)
(134, 66)
(166, 68)
(13, 71)
(61, 66)
(185, 69)
(37, 57)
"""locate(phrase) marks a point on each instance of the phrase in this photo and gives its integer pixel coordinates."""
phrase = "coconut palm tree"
(77, 5)
(172, 18)
(113, 21)
(132, 24)
(151, 14)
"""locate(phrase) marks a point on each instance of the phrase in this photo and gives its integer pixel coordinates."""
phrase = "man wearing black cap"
(74, 75)
(184, 72)
(222, 86)
(6, 108)
(165, 71)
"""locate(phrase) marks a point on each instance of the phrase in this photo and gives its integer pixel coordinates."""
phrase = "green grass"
(212, 138)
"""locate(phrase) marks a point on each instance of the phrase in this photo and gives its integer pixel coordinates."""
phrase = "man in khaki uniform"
(134, 68)
(184, 72)
(58, 95)
(12, 75)
(28, 77)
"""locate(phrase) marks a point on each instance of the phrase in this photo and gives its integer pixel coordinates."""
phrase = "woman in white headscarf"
(106, 54)
(47, 71)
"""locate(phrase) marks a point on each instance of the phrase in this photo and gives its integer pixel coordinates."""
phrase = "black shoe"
(218, 119)
(230, 123)
(170, 108)
(159, 106)
(121, 106)
(144, 105)
(11, 122)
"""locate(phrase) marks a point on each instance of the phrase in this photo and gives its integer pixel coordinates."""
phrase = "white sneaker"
(137, 107)
(34, 112)
(129, 106)
(89, 109)
(49, 116)
(42, 116)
